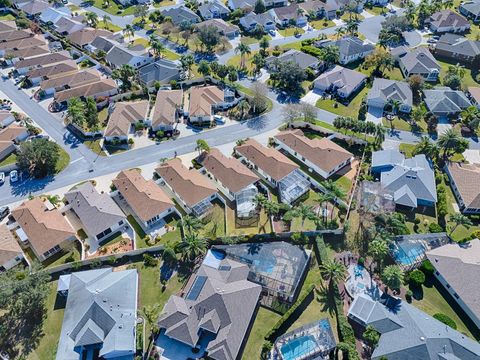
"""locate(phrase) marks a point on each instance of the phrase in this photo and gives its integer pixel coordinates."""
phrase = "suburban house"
(148, 203)
(457, 268)
(119, 55)
(320, 9)
(320, 155)
(167, 110)
(251, 21)
(11, 253)
(14, 55)
(445, 101)
(351, 48)
(52, 14)
(448, 21)
(86, 35)
(162, 71)
(101, 43)
(412, 181)
(36, 75)
(181, 15)
(14, 34)
(340, 81)
(6, 118)
(203, 101)
(277, 169)
(304, 61)
(123, 118)
(458, 48)
(100, 314)
(33, 8)
(421, 62)
(474, 95)
(248, 5)
(41, 227)
(66, 25)
(14, 133)
(464, 181)
(213, 10)
(15, 45)
(193, 191)
(407, 332)
(223, 28)
(385, 93)
(212, 315)
(99, 215)
(233, 179)
(24, 66)
(69, 81)
(103, 87)
(288, 15)
(471, 10)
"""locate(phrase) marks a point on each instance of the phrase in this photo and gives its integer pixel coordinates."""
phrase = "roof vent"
(422, 338)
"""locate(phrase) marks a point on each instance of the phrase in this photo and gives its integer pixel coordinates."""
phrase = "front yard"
(291, 31)
(351, 109)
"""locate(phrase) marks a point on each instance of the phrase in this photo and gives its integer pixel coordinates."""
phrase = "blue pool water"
(410, 255)
(298, 347)
(265, 265)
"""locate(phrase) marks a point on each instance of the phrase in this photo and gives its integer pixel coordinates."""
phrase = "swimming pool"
(298, 347)
(408, 254)
(265, 265)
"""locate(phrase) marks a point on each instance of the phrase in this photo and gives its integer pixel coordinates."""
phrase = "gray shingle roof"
(252, 19)
(457, 44)
(409, 333)
(342, 78)
(472, 7)
(445, 100)
(419, 61)
(349, 45)
(96, 211)
(119, 55)
(300, 58)
(101, 308)
(221, 300)
(181, 14)
(102, 43)
(389, 90)
(208, 9)
(162, 70)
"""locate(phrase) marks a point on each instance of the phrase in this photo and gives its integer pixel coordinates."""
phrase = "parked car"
(2, 178)
(271, 32)
(4, 211)
(431, 41)
(13, 176)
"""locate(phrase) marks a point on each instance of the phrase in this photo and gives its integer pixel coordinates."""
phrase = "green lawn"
(10, 159)
(351, 109)
(112, 7)
(163, 3)
(140, 234)
(376, 10)
(321, 24)
(6, 16)
(264, 322)
(346, 16)
(407, 149)
(115, 238)
(235, 61)
(170, 55)
(401, 124)
(297, 45)
(52, 325)
(62, 161)
(250, 92)
(74, 254)
(252, 40)
(262, 227)
(108, 26)
(468, 79)
(291, 31)
(214, 222)
(95, 147)
(74, 7)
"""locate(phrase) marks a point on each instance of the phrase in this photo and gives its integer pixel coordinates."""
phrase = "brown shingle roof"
(71, 80)
(124, 115)
(87, 35)
(475, 93)
(188, 184)
(9, 247)
(166, 105)
(15, 35)
(467, 181)
(145, 197)
(44, 228)
(10, 133)
(7, 25)
(36, 40)
(28, 52)
(52, 71)
(202, 98)
(229, 171)
(270, 160)
(322, 152)
(91, 89)
(43, 60)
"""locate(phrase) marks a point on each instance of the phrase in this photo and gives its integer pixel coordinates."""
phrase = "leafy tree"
(38, 157)
(471, 117)
(191, 246)
(416, 277)
(334, 271)
(259, 7)
(392, 277)
(446, 320)
(416, 83)
(204, 68)
(258, 99)
(209, 37)
(371, 336)
(232, 74)
(169, 256)
(141, 11)
(91, 114)
(243, 107)
(378, 250)
(287, 76)
(459, 219)
(202, 145)
(243, 50)
(76, 111)
(125, 74)
(258, 61)
(381, 61)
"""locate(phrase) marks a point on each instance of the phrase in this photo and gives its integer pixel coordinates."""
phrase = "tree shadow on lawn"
(326, 299)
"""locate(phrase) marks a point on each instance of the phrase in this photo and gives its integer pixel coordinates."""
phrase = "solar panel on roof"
(196, 288)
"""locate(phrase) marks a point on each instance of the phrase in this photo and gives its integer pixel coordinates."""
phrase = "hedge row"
(446, 320)
(321, 250)
(345, 330)
(283, 323)
(312, 50)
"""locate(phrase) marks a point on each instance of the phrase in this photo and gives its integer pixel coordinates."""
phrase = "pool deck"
(359, 281)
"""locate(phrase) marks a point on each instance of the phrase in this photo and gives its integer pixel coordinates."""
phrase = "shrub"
(475, 234)
(160, 134)
(361, 261)
(311, 50)
(131, 141)
(446, 320)
(417, 278)
(427, 267)
(435, 228)
(321, 249)
(408, 295)
(149, 260)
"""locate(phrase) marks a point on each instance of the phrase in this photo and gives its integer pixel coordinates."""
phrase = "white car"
(2, 178)
(13, 176)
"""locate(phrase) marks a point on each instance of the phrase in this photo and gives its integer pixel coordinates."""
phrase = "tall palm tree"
(105, 21)
(304, 212)
(190, 224)
(340, 31)
(459, 219)
(91, 18)
(336, 191)
(330, 54)
(378, 250)
(186, 62)
(449, 142)
(191, 246)
(129, 31)
(243, 50)
(395, 105)
(243, 107)
(258, 61)
(471, 117)
(427, 147)
(156, 46)
(418, 114)
(334, 271)
(392, 277)
(264, 44)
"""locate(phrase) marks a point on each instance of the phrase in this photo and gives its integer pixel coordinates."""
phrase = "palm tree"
(202, 145)
(449, 142)
(340, 31)
(186, 62)
(395, 105)
(460, 219)
(129, 31)
(457, 69)
(204, 69)
(471, 117)
(156, 46)
(258, 61)
(243, 49)
(150, 314)
(91, 19)
(260, 200)
(418, 114)
(105, 21)
(304, 212)
(264, 44)
(335, 191)
(330, 54)
(427, 147)
(392, 277)
(334, 271)
(379, 134)
(243, 107)
(378, 250)
(351, 26)
(190, 224)
(192, 246)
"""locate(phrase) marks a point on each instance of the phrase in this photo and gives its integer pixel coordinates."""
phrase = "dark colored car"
(4, 211)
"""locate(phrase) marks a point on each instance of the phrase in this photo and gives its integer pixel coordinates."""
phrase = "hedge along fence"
(345, 330)
(321, 253)
(293, 313)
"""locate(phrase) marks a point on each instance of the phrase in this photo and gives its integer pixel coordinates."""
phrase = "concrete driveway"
(311, 97)
(375, 115)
